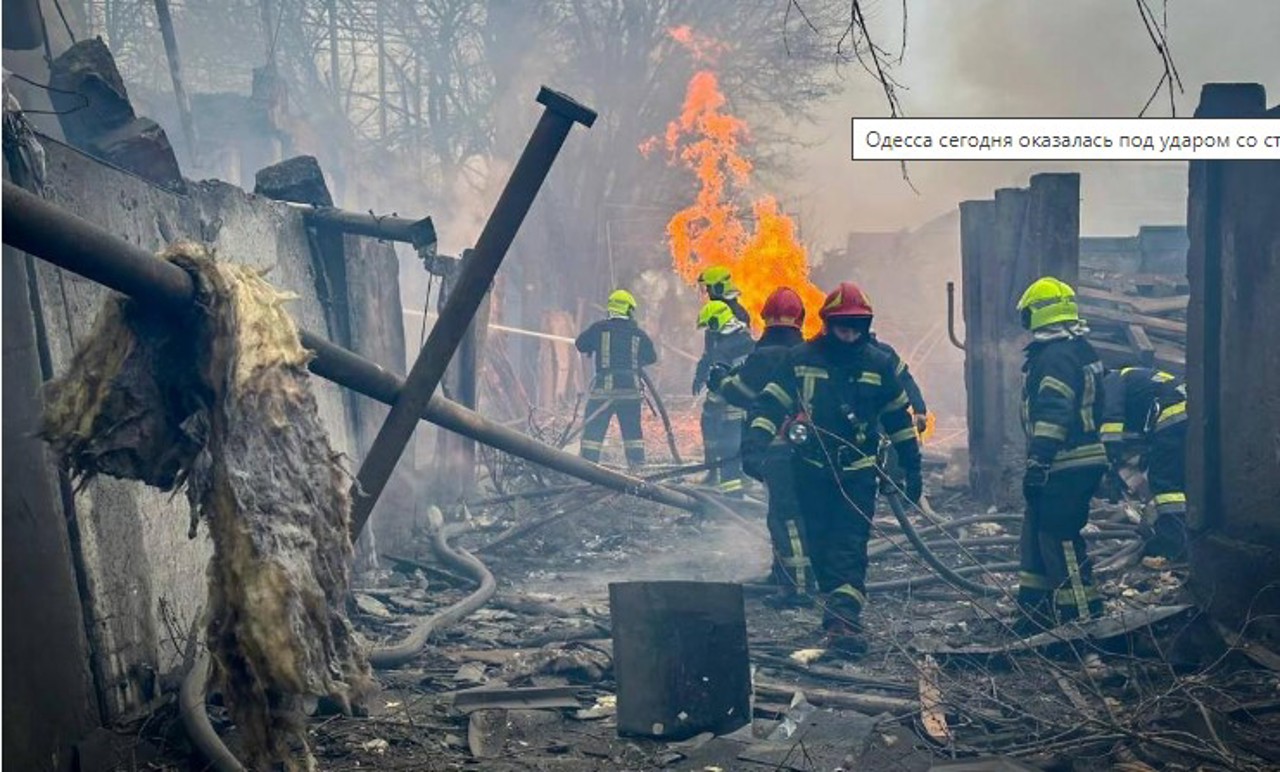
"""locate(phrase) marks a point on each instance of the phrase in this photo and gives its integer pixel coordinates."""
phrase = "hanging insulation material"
(220, 403)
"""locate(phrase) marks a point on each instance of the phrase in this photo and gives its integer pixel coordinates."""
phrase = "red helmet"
(847, 301)
(783, 308)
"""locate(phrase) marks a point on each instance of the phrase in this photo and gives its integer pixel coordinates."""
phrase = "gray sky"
(1029, 58)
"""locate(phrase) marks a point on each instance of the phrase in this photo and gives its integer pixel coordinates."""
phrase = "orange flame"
(759, 246)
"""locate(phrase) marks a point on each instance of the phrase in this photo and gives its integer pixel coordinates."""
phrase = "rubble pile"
(220, 404)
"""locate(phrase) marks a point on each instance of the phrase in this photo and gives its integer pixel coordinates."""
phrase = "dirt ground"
(1151, 686)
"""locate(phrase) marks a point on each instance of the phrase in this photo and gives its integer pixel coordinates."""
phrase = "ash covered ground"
(1152, 686)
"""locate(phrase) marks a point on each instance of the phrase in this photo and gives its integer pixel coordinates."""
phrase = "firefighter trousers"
(722, 442)
(601, 408)
(1166, 475)
(837, 511)
(792, 567)
(1056, 581)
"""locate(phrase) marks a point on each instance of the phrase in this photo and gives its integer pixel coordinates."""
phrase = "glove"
(914, 486)
(718, 372)
(921, 422)
(1034, 479)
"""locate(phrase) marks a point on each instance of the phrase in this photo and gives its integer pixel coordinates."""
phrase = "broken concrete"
(297, 179)
(142, 147)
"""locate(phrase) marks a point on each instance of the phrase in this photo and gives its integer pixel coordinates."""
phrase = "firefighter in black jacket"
(1146, 412)
(1062, 412)
(831, 397)
(621, 348)
(728, 345)
(783, 315)
(914, 396)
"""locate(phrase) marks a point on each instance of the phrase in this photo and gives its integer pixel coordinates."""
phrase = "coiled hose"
(945, 571)
(191, 698)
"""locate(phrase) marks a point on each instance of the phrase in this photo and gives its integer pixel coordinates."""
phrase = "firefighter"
(728, 344)
(1062, 412)
(1145, 414)
(620, 348)
(831, 397)
(717, 283)
(783, 315)
(916, 397)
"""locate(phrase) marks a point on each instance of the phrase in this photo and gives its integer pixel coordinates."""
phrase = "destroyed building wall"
(142, 581)
(1233, 376)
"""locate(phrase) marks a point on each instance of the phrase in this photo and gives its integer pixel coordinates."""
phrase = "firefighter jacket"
(908, 381)
(739, 312)
(742, 386)
(847, 393)
(1137, 401)
(1062, 404)
(620, 348)
(730, 349)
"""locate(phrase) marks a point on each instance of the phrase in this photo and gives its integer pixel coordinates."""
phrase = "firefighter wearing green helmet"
(620, 349)
(728, 345)
(1062, 412)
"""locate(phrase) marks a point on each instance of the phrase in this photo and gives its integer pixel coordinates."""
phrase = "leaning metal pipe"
(951, 316)
(465, 296)
(195, 718)
(43, 230)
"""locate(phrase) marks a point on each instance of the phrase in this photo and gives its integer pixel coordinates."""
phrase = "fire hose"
(662, 414)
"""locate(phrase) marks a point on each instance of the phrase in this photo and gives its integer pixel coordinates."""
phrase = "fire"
(757, 244)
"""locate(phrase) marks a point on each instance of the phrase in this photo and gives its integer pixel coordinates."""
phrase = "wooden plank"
(1152, 323)
(1137, 335)
(1155, 306)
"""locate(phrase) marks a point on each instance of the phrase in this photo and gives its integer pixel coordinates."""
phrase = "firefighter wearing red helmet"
(783, 315)
(831, 398)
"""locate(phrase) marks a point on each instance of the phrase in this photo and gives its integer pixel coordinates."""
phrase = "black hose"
(662, 415)
(912, 582)
(948, 574)
(385, 657)
(195, 719)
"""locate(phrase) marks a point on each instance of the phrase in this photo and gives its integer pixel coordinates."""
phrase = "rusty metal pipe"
(43, 230)
(465, 297)
(951, 316)
(421, 234)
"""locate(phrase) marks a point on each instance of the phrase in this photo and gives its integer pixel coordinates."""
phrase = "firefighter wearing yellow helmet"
(1062, 411)
(728, 343)
(620, 349)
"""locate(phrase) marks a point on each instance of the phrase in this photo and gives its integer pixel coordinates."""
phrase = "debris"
(829, 741)
(797, 714)
(216, 403)
(376, 745)
(533, 698)
(372, 607)
(578, 661)
(1115, 625)
(992, 764)
(693, 743)
(470, 673)
(932, 716)
(296, 179)
(490, 731)
(606, 705)
(1155, 562)
(807, 656)
(871, 703)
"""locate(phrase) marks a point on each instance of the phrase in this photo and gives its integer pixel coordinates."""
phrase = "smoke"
(1010, 58)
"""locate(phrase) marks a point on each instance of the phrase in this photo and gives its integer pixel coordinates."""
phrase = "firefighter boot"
(846, 637)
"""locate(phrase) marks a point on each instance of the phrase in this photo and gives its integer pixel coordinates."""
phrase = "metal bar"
(42, 230)
(420, 233)
(474, 279)
(951, 316)
(175, 74)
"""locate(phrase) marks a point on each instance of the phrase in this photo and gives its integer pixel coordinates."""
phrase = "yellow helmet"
(621, 302)
(715, 316)
(1046, 301)
(718, 281)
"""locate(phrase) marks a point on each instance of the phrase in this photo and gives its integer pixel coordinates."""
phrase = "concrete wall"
(142, 580)
(1233, 376)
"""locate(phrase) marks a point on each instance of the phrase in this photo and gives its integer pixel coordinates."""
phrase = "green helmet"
(715, 316)
(718, 281)
(621, 302)
(1046, 301)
